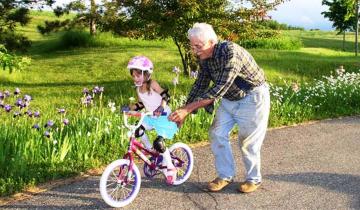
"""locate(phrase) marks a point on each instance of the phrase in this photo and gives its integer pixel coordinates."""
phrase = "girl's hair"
(146, 74)
(203, 32)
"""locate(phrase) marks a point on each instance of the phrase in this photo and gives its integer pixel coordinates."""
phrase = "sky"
(303, 13)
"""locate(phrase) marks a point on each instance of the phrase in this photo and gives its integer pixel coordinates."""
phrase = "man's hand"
(178, 116)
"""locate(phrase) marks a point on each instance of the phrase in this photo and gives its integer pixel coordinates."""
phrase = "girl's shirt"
(161, 124)
(152, 100)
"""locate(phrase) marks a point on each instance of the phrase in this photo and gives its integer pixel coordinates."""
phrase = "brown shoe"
(248, 187)
(218, 184)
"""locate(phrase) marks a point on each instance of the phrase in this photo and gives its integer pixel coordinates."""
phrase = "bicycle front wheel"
(119, 186)
(183, 159)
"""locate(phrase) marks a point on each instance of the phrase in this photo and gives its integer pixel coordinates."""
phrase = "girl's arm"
(156, 87)
(137, 106)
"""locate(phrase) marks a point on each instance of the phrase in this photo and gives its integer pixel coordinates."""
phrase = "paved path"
(313, 166)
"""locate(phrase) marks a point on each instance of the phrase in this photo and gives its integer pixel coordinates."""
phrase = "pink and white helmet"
(142, 63)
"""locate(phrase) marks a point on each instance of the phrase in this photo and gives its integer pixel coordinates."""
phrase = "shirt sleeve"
(225, 79)
(199, 87)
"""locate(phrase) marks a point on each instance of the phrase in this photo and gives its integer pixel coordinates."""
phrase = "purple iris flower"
(49, 124)
(7, 108)
(87, 100)
(61, 111)
(2, 96)
(29, 113)
(37, 114)
(7, 93)
(47, 134)
(66, 122)
(86, 91)
(27, 98)
(36, 126)
(19, 102)
(17, 91)
(16, 114)
(96, 90)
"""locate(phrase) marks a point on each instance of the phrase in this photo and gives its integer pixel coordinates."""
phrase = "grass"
(57, 76)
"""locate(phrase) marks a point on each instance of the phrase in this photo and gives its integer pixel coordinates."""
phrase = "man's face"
(201, 49)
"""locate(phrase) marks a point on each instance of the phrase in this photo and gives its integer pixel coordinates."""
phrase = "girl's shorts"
(162, 126)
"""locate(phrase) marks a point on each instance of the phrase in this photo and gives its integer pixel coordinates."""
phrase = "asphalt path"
(310, 166)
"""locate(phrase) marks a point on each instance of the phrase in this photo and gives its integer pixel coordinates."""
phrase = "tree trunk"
(92, 17)
(356, 27)
(343, 44)
(183, 58)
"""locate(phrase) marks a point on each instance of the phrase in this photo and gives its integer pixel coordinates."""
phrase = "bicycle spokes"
(120, 183)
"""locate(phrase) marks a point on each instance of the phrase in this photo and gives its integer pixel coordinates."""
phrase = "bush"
(13, 41)
(71, 39)
(12, 62)
(277, 43)
(274, 25)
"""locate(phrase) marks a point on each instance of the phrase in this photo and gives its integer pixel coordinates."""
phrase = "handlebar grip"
(133, 114)
(138, 114)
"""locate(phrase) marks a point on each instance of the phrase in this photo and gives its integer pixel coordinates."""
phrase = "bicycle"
(121, 180)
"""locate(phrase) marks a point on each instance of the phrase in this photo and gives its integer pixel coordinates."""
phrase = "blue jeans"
(251, 114)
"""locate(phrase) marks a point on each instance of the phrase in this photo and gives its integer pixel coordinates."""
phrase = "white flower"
(295, 87)
(88, 134)
(113, 109)
(175, 81)
(107, 130)
(111, 104)
(55, 142)
(132, 99)
(176, 70)
(194, 74)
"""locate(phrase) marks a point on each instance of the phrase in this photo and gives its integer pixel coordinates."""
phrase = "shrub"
(277, 43)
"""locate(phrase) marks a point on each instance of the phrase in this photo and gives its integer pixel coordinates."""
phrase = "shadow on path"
(342, 183)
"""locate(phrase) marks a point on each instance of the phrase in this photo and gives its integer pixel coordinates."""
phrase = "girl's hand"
(158, 111)
(125, 108)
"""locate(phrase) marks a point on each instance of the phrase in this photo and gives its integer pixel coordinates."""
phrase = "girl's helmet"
(142, 63)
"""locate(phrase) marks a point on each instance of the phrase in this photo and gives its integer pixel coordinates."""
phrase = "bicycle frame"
(136, 147)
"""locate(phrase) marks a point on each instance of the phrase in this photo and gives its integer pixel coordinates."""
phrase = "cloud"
(305, 20)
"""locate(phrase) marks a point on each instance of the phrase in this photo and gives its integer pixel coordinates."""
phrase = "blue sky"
(303, 13)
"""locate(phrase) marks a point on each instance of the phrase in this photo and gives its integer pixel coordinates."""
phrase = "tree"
(88, 14)
(12, 62)
(160, 19)
(343, 15)
(12, 14)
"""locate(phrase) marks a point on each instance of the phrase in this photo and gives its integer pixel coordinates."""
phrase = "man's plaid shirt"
(228, 62)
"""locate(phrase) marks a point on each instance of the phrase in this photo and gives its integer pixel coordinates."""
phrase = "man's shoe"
(248, 187)
(218, 184)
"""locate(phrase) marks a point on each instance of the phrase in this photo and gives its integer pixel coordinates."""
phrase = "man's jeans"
(251, 115)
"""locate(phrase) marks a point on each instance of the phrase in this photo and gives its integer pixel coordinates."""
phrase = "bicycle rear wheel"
(118, 188)
(183, 159)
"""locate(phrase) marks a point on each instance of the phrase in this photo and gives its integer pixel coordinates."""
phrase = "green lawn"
(58, 76)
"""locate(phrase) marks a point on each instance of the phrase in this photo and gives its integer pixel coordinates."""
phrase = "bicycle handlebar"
(141, 115)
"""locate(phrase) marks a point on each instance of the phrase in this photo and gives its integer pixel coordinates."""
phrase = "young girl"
(154, 99)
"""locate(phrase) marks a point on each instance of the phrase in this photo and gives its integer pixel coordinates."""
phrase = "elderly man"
(240, 84)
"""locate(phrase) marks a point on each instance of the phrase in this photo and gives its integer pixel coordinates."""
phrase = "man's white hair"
(203, 31)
